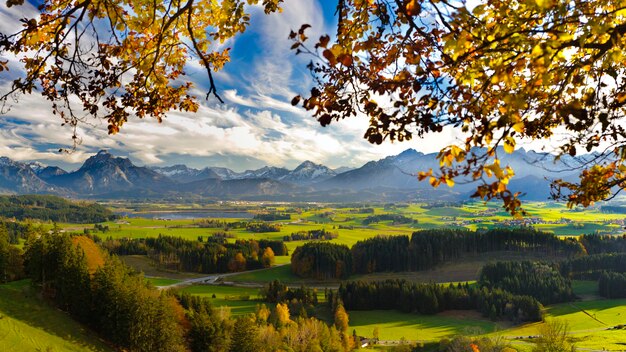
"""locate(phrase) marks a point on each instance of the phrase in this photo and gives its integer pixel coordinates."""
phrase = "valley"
(591, 318)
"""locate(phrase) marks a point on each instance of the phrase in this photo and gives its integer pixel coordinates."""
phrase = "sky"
(256, 126)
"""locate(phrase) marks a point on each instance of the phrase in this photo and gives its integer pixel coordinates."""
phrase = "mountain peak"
(307, 165)
(408, 152)
(5, 160)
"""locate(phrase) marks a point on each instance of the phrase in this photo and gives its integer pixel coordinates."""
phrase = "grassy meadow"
(588, 318)
(29, 324)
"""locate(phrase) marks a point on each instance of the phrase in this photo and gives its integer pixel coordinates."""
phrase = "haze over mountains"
(390, 179)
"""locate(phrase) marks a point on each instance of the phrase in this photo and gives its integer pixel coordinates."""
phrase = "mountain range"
(104, 176)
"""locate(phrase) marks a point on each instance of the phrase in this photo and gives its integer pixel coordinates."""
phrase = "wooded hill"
(52, 208)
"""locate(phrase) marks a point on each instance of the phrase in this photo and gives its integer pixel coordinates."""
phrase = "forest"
(424, 250)
(212, 256)
(115, 301)
(53, 208)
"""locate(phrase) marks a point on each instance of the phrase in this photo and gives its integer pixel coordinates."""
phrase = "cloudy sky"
(256, 126)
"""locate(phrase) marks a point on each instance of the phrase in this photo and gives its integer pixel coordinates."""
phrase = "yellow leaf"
(450, 182)
(519, 127)
(509, 144)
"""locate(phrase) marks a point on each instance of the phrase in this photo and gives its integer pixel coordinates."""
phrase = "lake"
(183, 215)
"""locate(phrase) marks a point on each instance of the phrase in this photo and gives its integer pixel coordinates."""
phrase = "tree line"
(424, 250)
(272, 216)
(540, 280)
(208, 257)
(590, 267)
(53, 208)
(322, 260)
(394, 218)
(612, 285)
(309, 235)
(259, 227)
(596, 244)
(434, 298)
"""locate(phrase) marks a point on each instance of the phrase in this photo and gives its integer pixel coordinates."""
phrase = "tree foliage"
(434, 298)
(500, 73)
(53, 208)
(119, 59)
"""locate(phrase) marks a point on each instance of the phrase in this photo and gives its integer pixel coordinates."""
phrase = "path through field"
(213, 279)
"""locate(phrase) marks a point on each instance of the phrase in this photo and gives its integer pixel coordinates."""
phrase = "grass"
(585, 289)
(588, 322)
(144, 264)
(482, 215)
(393, 325)
(29, 324)
(282, 273)
(161, 281)
(229, 296)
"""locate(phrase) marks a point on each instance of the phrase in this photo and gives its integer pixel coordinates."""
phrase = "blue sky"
(256, 126)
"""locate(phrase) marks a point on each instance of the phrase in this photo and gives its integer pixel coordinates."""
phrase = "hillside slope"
(29, 324)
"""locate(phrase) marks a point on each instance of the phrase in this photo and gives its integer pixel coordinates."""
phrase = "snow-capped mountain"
(104, 173)
(308, 172)
(390, 178)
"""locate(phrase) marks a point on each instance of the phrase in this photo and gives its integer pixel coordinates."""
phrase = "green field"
(394, 325)
(348, 223)
(282, 273)
(241, 300)
(556, 217)
(161, 281)
(588, 321)
(29, 324)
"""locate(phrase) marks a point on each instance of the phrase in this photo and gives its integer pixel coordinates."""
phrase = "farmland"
(588, 319)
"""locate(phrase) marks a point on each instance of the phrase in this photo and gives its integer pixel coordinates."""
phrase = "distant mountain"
(239, 188)
(104, 173)
(224, 173)
(185, 174)
(16, 177)
(389, 179)
(391, 172)
(308, 172)
(270, 172)
(399, 172)
(343, 169)
(50, 172)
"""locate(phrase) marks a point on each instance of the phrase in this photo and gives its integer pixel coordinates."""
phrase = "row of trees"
(309, 235)
(176, 253)
(220, 224)
(612, 285)
(596, 244)
(539, 280)
(424, 250)
(272, 216)
(590, 267)
(53, 208)
(322, 260)
(434, 298)
(260, 227)
(394, 218)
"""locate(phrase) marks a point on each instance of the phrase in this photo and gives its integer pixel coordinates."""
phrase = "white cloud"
(257, 123)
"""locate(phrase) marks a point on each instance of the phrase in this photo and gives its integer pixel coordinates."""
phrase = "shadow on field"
(19, 301)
